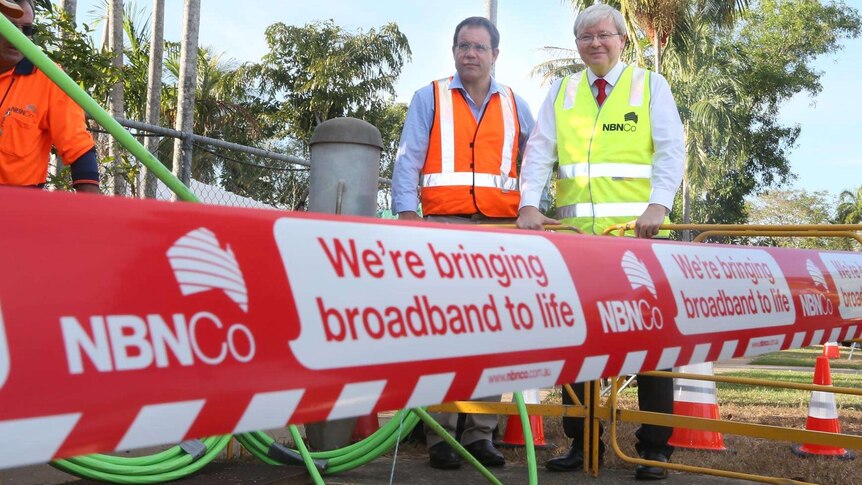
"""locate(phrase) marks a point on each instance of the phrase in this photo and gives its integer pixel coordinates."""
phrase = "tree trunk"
(154, 92)
(186, 95)
(686, 208)
(658, 51)
(116, 101)
(71, 7)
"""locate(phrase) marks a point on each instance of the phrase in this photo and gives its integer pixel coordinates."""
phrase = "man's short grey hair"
(596, 13)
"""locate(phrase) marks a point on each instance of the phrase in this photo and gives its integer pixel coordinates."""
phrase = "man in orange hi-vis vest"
(35, 115)
(461, 145)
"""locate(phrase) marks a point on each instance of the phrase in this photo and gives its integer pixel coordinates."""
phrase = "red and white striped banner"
(128, 323)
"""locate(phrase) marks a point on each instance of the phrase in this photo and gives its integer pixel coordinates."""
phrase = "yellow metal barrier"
(751, 230)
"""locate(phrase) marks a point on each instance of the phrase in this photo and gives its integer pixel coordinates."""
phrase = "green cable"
(171, 459)
(430, 422)
(309, 463)
(390, 440)
(64, 82)
(171, 464)
(528, 438)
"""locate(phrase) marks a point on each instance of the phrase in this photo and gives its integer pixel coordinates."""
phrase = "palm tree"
(182, 166)
(708, 101)
(116, 101)
(563, 61)
(153, 110)
(849, 210)
(223, 108)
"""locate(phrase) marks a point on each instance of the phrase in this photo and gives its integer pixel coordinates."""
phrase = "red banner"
(128, 323)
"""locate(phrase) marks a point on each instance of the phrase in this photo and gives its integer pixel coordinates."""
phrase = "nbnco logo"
(130, 342)
(630, 124)
(816, 304)
(620, 316)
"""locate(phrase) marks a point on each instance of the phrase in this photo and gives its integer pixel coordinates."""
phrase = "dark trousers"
(654, 394)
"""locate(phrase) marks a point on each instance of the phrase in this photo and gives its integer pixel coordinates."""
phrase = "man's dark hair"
(479, 22)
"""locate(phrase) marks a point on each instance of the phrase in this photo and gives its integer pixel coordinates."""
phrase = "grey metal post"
(491, 13)
(345, 166)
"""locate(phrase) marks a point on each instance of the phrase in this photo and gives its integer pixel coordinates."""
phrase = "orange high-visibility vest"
(471, 167)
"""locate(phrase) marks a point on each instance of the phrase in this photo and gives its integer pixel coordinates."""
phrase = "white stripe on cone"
(692, 390)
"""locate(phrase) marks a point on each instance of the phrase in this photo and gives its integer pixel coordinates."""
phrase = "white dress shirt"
(667, 136)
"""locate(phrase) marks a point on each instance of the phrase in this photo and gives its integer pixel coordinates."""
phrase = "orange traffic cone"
(830, 349)
(697, 399)
(365, 427)
(514, 436)
(822, 415)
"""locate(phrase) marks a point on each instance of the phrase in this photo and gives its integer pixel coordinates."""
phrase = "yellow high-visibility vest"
(605, 154)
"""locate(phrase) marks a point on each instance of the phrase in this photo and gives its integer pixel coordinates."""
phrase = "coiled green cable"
(171, 464)
(262, 446)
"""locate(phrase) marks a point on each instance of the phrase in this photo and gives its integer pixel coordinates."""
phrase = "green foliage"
(320, 71)
(72, 49)
(849, 210)
(768, 55)
(795, 207)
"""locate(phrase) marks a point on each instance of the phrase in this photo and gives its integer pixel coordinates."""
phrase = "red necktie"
(601, 95)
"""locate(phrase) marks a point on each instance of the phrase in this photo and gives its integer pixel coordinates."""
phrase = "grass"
(806, 357)
(742, 395)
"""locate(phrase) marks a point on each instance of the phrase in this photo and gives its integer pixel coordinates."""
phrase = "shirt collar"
(456, 83)
(611, 77)
(24, 67)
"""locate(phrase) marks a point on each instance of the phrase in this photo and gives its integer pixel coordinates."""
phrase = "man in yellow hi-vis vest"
(616, 133)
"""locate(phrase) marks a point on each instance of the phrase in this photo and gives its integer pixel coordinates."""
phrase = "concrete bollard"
(345, 166)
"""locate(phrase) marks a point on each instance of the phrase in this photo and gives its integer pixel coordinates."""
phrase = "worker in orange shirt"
(35, 115)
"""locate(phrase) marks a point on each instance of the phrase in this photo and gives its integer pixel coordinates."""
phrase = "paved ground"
(407, 471)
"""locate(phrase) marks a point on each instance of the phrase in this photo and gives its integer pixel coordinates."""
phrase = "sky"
(827, 156)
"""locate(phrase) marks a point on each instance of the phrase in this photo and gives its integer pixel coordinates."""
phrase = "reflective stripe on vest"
(605, 153)
(447, 127)
(470, 165)
(622, 209)
(605, 169)
(469, 178)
